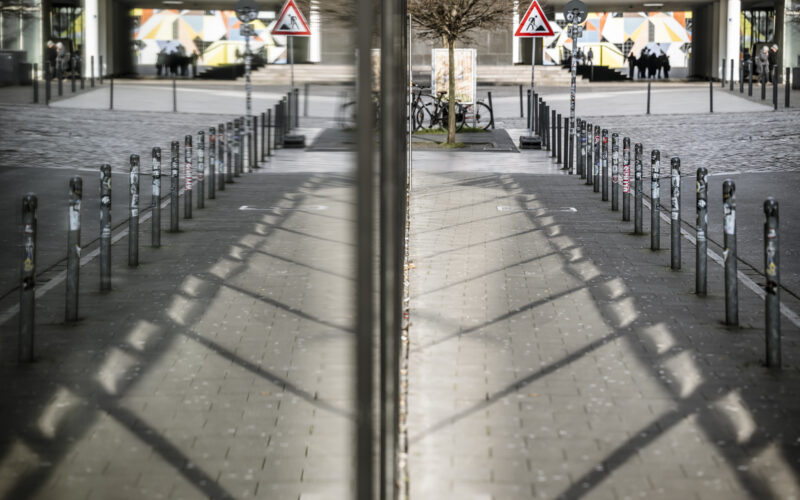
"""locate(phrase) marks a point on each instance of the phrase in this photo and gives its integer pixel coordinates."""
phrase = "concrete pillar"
(515, 55)
(91, 46)
(315, 41)
(734, 26)
(719, 37)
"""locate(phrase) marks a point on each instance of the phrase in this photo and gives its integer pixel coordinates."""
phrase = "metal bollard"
(133, 212)
(73, 249)
(772, 273)
(763, 78)
(174, 163)
(569, 144)
(787, 86)
(775, 75)
(269, 132)
(558, 137)
(155, 200)
(83, 81)
(289, 109)
(596, 159)
(615, 172)
(201, 169)
(675, 214)
(212, 163)
(105, 227)
(296, 102)
(553, 133)
(710, 95)
(655, 199)
(27, 296)
(626, 179)
(722, 79)
(100, 70)
(604, 165)
(36, 82)
(564, 152)
(174, 95)
(648, 98)
(731, 82)
(264, 136)
(638, 182)
(750, 78)
(701, 249)
(306, 88)
(729, 253)
(47, 84)
(529, 108)
(588, 164)
(91, 69)
(582, 165)
(741, 76)
(521, 109)
(229, 145)
(254, 137)
(111, 93)
(237, 147)
(221, 161)
(187, 177)
(60, 78)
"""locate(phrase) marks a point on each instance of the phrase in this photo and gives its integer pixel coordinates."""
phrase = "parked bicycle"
(429, 111)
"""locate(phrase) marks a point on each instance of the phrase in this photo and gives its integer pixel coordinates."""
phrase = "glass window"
(11, 30)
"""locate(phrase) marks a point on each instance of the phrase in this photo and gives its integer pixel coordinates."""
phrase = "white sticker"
(75, 216)
(730, 222)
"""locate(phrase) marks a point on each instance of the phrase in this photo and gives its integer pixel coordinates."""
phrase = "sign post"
(575, 13)
(534, 24)
(247, 12)
(291, 23)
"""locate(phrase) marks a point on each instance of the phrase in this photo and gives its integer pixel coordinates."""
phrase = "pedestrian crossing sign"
(534, 23)
(291, 21)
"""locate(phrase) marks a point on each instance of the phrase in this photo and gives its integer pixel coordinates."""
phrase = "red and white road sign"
(291, 21)
(534, 23)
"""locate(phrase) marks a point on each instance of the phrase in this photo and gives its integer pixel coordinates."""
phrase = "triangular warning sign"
(534, 23)
(291, 21)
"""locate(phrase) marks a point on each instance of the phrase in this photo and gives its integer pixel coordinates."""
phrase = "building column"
(315, 41)
(91, 36)
(719, 19)
(515, 55)
(733, 36)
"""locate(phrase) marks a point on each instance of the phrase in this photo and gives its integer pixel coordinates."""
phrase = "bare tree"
(451, 21)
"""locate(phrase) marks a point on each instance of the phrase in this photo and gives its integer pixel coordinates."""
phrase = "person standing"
(762, 61)
(62, 59)
(631, 64)
(590, 57)
(51, 54)
(663, 63)
(772, 58)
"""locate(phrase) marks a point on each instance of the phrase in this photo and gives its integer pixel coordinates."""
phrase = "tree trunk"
(451, 92)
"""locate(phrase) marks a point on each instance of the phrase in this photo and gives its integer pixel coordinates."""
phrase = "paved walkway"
(553, 355)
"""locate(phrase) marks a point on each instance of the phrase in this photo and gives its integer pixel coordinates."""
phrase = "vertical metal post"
(174, 95)
(655, 199)
(187, 177)
(729, 253)
(27, 296)
(306, 88)
(222, 162)
(155, 200)
(615, 172)
(533, 87)
(254, 136)
(296, 108)
(731, 82)
(722, 79)
(100, 70)
(773, 285)
(91, 69)
(73, 249)
(60, 78)
(701, 249)
(637, 188)
(105, 227)
(491, 108)
(586, 172)
(174, 166)
(201, 169)
(263, 136)
(236, 147)
(741, 76)
(648, 97)
(521, 109)
(588, 147)
(596, 159)
(750, 78)
(575, 33)
(229, 147)
(270, 128)
(248, 86)
(111, 93)
(604, 164)
(763, 77)
(626, 179)
(787, 87)
(558, 137)
(36, 82)
(566, 145)
(553, 133)
(710, 95)
(133, 212)
(775, 76)
(675, 214)
(212, 163)
(530, 112)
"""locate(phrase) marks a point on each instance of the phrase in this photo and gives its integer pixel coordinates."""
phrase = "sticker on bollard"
(626, 179)
(212, 163)
(729, 253)
(155, 200)
(133, 213)
(73, 249)
(675, 214)
(637, 188)
(596, 159)
(701, 249)
(604, 165)
(615, 172)
(655, 199)
(229, 145)
(105, 227)
(174, 163)
(27, 296)
(773, 293)
(187, 177)
(201, 169)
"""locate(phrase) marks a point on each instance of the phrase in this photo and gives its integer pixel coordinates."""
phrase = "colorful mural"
(213, 35)
(612, 36)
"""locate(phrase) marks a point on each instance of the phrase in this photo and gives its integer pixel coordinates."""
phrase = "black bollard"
(289, 109)
(35, 83)
(710, 95)
(91, 70)
(237, 147)
(675, 214)
(306, 88)
(212, 163)
(729, 253)
(73, 249)
(264, 136)
(111, 94)
(626, 179)
(582, 165)
(521, 109)
(60, 77)
(615, 172)
(586, 152)
(787, 86)
(553, 133)
(222, 168)
(775, 75)
(722, 79)
(133, 213)
(637, 188)
(604, 165)
(47, 84)
(772, 289)
(596, 159)
(155, 200)
(655, 199)
(269, 132)
(174, 166)
(174, 95)
(564, 153)
(254, 136)
(187, 177)
(201, 169)
(731, 82)
(27, 295)
(558, 137)
(701, 249)
(529, 108)
(105, 227)
(569, 144)
(750, 79)
(763, 78)
(741, 76)
(229, 145)
(72, 76)
(100, 70)
(648, 98)
(296, 107)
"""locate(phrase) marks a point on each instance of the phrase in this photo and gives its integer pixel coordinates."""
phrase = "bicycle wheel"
(461, 116)
(483, 115)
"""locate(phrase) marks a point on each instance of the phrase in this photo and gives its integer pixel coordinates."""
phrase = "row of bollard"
(763, 77)
(218, 163)
(592, 164)
(60, 79)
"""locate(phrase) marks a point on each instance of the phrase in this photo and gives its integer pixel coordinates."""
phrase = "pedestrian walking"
(772, 58)
(631, 64)
(762, 62)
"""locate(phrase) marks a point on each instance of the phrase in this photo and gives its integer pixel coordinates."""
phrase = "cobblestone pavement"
(219, 368)
(553, 355)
